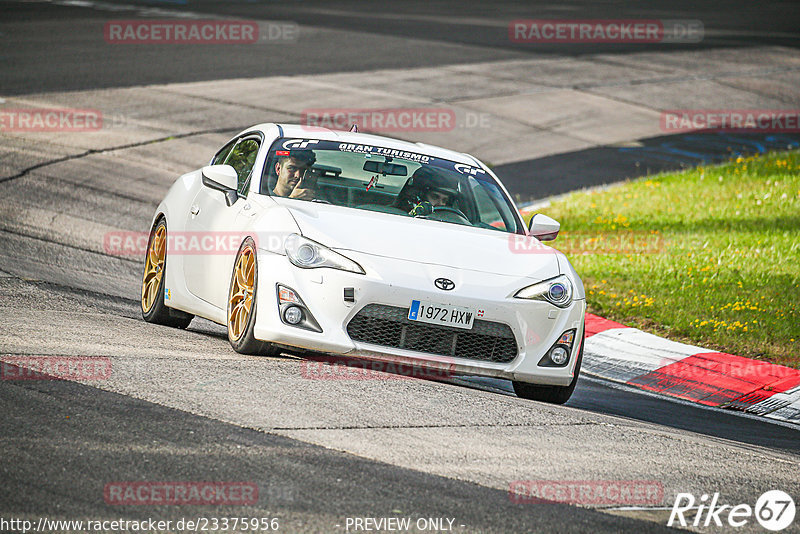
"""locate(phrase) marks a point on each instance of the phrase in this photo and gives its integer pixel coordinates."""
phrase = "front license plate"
(441, 314)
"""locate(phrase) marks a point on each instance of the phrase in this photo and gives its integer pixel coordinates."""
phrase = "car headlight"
(309, 254)
(556, 291)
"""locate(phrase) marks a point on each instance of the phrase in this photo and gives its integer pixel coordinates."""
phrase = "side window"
(219, 159)
(492, 211)
(242, 158)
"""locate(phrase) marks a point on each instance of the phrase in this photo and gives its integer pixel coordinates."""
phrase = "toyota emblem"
(444, 284)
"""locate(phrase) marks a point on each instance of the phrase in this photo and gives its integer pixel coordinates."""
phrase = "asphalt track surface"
(180, 405)
(40, 52)
(345, 36)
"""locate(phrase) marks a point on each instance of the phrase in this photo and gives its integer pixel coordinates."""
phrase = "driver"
(438, 197)
(427, 186)
(295, 176)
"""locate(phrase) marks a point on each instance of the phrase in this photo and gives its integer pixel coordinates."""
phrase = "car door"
(214, 229)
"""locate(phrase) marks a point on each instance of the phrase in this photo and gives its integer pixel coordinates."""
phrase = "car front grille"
(389, 326)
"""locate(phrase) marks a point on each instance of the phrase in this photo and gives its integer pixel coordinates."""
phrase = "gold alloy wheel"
(154, 268)
(240, 301)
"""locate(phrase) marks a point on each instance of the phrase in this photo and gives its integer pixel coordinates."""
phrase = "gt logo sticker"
(298, 143)
(467, 169)
(167, 294)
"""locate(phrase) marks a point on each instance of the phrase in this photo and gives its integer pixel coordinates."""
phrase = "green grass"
(709, 256)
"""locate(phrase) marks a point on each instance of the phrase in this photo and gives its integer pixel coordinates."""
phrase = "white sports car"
(342, 243)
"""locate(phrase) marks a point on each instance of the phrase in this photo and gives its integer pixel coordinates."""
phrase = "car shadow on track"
(591, 394)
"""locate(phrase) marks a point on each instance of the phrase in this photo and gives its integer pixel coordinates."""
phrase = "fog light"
(293, 315)
(559, 355)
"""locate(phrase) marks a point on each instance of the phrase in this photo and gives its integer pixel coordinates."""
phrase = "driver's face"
(289, 173)
(437, 198)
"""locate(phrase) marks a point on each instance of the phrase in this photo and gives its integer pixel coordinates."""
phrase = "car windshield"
(385, 180)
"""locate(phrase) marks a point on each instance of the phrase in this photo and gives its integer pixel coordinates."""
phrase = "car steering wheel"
(459, 215)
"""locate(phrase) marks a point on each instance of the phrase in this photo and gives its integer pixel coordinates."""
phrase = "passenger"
(296, 179)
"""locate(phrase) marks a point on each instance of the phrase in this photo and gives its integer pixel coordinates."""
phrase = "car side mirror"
(543, 227)
(222, 178)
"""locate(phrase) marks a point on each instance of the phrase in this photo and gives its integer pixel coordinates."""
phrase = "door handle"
(195, 210)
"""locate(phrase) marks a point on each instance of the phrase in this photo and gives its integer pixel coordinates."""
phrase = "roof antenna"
(354, 128)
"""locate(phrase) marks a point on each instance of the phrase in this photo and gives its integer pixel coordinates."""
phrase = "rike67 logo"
(774, 510)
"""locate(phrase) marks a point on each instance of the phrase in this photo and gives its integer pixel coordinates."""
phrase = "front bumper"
(535, 325)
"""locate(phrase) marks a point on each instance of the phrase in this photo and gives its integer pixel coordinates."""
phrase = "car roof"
(325, 134)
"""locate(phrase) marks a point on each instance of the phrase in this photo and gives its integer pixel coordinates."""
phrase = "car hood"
(424, 241)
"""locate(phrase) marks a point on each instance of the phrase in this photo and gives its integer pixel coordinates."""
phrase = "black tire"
(158, 312)
(246, 343)
(551, 394)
